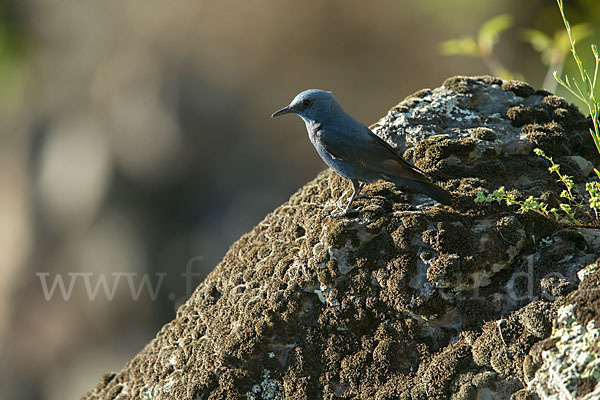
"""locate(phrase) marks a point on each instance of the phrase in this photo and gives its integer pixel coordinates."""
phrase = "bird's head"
(312, 105)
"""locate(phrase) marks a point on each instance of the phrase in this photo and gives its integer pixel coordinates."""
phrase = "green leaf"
(565, 207)
(568, 181)
(579, 32)
(538, 39)
(464, 46)
(499, 193)
(491, 29)
(481, 198)
(554, 49)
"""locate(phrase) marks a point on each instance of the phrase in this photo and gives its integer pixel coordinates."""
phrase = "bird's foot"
(343, 213)
(342, 205)
(337, 215)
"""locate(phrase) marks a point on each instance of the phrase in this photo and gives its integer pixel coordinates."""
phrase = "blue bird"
(352, 150)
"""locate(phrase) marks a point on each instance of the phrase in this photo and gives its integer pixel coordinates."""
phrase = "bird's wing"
(363, 148)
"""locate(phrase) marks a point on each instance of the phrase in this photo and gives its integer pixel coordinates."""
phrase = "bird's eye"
(306, 102)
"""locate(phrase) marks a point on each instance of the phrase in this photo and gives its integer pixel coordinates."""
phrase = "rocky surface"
(568, 361)
(404, 299)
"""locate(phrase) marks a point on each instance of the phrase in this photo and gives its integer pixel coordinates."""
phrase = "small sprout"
(540, 207)
(499, 195)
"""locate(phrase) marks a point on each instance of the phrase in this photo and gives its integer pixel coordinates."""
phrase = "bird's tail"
(430, 190)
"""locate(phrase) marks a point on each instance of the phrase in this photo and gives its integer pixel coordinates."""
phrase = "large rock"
(406, 298)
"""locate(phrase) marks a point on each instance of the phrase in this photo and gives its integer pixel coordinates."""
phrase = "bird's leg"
(356, 186)
(362, 195)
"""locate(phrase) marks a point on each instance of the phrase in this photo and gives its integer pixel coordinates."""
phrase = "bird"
(352, 150)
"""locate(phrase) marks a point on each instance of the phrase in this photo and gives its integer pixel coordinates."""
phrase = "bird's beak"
(284, 110)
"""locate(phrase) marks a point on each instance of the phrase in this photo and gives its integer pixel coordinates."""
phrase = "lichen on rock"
(405, 298)
(568, 362)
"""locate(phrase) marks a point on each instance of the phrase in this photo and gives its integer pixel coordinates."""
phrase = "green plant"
(570, 213)
(593, 189)
(482, 47)
(584, 90)
(529, 204)
(568, 209)
(565, 179)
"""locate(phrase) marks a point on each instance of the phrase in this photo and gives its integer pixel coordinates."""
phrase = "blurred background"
(135, 139)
